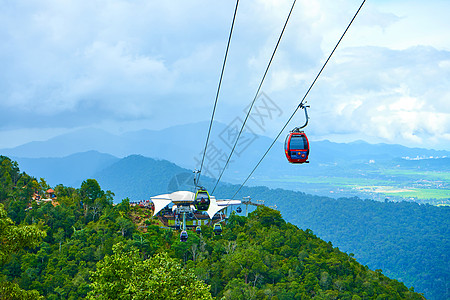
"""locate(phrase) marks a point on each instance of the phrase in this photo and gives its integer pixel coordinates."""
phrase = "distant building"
(50, 194)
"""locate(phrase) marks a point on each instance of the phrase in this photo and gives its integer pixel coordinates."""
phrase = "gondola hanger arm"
(302, 106)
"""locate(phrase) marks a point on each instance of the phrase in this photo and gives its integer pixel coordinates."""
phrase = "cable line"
(302, 102)
(218, 91)
(256, 96)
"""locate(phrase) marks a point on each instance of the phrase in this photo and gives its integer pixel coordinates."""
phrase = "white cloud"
(398, 96)
(142, 62)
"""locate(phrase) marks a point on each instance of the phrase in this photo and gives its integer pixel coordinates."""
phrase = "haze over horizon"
(99, 130)
(124, 66)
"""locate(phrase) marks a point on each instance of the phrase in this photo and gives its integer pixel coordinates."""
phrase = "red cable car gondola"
(296, 146)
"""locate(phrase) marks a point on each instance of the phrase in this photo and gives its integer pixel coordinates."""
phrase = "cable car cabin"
(217, 229)
(202, 200)
(239, 210)
(183, 236)
(296, 147)
(198, 229)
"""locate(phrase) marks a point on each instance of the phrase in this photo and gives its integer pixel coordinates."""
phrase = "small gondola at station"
(217, 229)
(202, 199)
(183, 236)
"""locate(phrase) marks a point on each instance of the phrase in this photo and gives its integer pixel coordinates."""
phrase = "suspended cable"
(218, 90)
(256, 96)
(301, 102)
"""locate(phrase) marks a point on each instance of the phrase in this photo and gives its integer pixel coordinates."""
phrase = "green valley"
(94, 249)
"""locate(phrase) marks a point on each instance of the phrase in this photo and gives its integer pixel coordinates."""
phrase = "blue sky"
(130, 65)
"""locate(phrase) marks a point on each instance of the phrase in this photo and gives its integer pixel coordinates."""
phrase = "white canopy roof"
(163, 200)
(182, 196)
(228, 202)
(215, 206)
(160, 202)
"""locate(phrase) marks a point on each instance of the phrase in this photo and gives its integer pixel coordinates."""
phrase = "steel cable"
(301, 102)
(256, 96)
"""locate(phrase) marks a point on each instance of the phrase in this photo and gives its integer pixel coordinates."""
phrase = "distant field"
(379, 183)
(341, 181)
(423, 194)
(432, 175)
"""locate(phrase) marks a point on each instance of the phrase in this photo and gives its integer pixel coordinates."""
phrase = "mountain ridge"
(352, 163)
(136, 142)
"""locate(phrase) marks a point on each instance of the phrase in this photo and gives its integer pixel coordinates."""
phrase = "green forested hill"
(264, 257)
(90, 245)
(148, 177)
(408, 241)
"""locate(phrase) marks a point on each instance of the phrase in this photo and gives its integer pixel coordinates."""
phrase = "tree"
(94, 198)
(124, 275)
(90, 190)
(124, 206)
(12, 291)
(268, 217)
(59, 237)
(13, 238)
(125, 225)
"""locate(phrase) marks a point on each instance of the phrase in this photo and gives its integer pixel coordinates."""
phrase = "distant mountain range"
(138, 177)
(70, 170)
(71, 158)
(184, 143)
